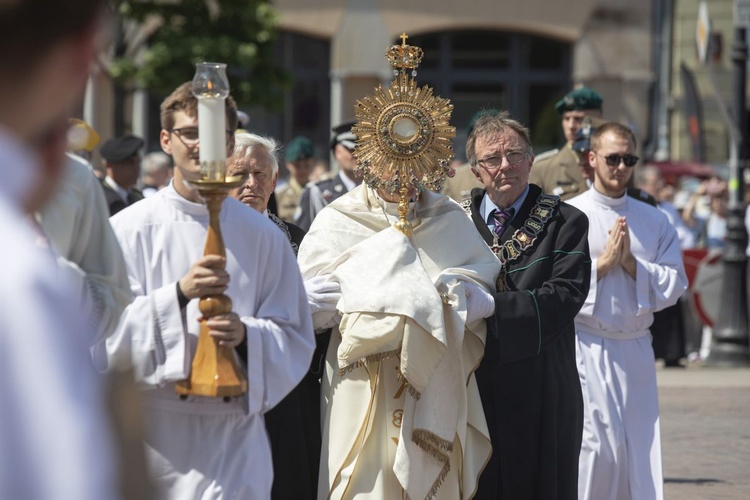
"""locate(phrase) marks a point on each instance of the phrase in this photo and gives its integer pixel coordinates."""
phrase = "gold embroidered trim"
(438, 448)
(380, 356)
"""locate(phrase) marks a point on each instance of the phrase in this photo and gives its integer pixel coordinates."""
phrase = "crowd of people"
(502, 350)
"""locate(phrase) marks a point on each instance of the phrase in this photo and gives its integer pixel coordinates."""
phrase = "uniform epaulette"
(545, 155)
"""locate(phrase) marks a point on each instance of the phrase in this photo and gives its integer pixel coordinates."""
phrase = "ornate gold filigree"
(403, 132)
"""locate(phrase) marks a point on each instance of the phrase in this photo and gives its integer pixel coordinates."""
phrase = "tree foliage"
(238, 33)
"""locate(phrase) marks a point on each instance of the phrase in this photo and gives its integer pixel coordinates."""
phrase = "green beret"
(579, 99)
(299, 148)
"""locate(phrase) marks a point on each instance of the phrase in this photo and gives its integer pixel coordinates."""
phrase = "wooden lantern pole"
(215, 371)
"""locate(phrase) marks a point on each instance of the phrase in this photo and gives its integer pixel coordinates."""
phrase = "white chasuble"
(402, 415)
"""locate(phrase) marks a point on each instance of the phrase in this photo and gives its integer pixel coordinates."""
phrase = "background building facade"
(521, 56)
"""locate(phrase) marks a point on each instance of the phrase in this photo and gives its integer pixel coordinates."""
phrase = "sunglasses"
(614, 160)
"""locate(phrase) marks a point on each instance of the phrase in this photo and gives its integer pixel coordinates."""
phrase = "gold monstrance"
(403, 133)
(214, 371)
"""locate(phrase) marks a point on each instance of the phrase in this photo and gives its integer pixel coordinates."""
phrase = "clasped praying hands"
(617, 251)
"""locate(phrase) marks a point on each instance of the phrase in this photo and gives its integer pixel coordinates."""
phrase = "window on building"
(524, 74)
(306, 109)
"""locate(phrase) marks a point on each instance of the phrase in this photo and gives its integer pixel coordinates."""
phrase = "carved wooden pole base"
(215, 371)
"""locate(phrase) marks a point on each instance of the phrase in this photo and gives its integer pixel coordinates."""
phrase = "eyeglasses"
(189, 135)
(493, 162)
(614, 160)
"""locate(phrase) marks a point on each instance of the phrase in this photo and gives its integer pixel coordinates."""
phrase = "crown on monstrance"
(404, 138)
(404, 56)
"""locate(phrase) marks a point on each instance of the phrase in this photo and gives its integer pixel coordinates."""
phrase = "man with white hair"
(294, 424)
(55, 440)
(156, 171)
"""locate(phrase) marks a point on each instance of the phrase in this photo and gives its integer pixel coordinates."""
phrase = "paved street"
(705, 424)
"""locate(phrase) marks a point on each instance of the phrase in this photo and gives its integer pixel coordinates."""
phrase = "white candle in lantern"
(211, 88)
(212, 133)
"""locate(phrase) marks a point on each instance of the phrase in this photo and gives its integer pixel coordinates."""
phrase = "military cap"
(343, 135)
(81, 136)
(581, 98)
(299, 148)
(120, 149)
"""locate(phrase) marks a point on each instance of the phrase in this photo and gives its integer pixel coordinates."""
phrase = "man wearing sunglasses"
(582, 146)
(636, 270)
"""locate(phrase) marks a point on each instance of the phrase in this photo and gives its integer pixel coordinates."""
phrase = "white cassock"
(76, 221)
(402, 414)
(203, 447)
(621, 450)
(54, 434)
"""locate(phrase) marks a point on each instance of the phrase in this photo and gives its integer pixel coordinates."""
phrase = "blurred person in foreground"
(204, 447)
(294, 424)
(636, 270)
(527, 378)
(55, 440)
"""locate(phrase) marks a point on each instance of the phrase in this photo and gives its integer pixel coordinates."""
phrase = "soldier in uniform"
(318, 195)
(122, 161)
(559, 172)
(299, 162)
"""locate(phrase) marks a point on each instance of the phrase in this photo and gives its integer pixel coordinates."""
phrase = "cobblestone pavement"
(705, 431)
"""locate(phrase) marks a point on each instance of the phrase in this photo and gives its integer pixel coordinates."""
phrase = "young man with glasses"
(202, 447)
(527, 378)
(636, 270)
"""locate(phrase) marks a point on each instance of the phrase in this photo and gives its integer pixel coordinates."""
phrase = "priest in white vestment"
(401, 410)
(202, 447)
(55, 440)
(636, 270)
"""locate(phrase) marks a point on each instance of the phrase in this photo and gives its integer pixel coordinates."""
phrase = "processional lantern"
(215, 371)
(403, 134)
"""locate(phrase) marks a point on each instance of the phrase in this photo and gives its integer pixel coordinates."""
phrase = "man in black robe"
(528, 379)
